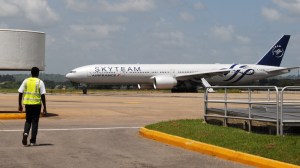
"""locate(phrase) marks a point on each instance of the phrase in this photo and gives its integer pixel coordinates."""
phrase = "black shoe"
(24, 140)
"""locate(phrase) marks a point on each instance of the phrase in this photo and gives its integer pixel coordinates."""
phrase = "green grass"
(15, 90)
(4, 90)
(286, 149)
(90, 91)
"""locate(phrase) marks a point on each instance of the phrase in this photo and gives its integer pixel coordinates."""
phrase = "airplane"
(184, 77)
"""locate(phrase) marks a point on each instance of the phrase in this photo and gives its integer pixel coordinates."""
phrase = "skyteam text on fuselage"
(188, 76)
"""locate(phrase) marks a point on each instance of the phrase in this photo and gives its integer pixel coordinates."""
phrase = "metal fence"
(289, 107)
(262, 103)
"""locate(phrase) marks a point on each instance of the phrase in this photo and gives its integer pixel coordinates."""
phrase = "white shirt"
(42, 87)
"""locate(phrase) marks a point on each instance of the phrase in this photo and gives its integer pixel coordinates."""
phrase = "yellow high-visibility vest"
(31, 92)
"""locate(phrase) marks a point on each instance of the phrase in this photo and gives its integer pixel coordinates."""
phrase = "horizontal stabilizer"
(283, 69)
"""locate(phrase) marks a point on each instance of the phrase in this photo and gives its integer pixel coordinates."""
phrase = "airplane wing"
(202, 74)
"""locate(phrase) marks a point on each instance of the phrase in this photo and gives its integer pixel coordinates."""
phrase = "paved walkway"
(102, 131)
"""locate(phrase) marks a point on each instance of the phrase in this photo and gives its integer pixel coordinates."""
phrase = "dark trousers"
(32, 120)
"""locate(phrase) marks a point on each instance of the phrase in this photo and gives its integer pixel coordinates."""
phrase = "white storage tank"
(21, 49)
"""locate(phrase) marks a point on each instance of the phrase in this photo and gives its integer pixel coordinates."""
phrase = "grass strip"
(90, 91)
(286, 149)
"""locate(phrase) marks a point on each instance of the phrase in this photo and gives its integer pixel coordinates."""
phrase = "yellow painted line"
(7, 116)
(214, 150)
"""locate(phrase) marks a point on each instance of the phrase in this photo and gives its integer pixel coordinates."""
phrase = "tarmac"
(102, 130)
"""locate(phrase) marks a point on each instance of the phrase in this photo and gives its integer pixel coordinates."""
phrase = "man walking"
(32, 91)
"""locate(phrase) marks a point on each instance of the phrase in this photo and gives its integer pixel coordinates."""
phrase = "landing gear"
(185, 87)
(83, 87)
(84, 90)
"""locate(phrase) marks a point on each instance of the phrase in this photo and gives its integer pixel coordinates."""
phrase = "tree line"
(51, 81)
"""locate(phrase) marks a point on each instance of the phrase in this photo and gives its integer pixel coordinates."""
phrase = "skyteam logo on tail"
(277, 51)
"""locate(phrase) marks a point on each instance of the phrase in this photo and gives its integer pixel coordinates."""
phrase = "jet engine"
(164, 82)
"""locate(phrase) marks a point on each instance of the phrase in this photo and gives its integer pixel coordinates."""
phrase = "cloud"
(122, 19)
(161, 22)
(243, 39)
(270, 14)
(224, 33)
(199, 5)
(186, 16)
(127, 5)
(94, 31)
(112, 6)
(38, 11)
(285, 10)
(227, 33)
(290, 5)
(77, 5)
(7, 8)
(175, 38)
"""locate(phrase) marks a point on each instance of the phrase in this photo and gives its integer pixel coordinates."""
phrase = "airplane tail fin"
(275, 54)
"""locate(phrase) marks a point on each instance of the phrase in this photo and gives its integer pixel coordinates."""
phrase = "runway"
(101, 130)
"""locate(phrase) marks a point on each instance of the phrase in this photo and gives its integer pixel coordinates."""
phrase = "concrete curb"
(9, 116)
(213, 150)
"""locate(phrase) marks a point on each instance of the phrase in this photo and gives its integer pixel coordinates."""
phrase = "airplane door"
(89, 74)
(120, 73)
(173, 72)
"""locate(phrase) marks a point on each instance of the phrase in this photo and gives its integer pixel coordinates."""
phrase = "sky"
(156, 31)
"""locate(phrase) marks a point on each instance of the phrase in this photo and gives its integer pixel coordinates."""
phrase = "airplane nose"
(68, 76)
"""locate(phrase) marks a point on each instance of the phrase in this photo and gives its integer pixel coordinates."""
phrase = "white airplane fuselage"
(144, 74)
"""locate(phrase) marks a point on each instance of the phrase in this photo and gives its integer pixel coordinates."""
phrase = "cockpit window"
(73, 72)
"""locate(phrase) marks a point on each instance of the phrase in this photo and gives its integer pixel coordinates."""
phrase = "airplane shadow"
(51, 115)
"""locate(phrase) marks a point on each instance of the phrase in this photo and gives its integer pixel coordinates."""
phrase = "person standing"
(32, 92)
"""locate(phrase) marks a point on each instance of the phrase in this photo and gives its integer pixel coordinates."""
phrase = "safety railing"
(271, 98)
(289, 107)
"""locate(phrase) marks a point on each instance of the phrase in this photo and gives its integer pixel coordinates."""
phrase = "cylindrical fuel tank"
(21, 49)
